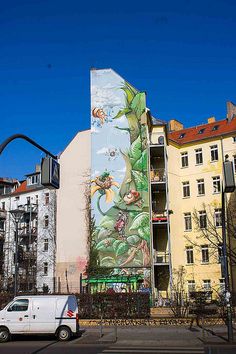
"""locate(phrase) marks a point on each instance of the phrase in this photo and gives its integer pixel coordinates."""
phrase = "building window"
(216, 184)
(202, 219)
(182, 135)
(218, 217)
(184, 159)
(28, 200)
(220, 253)
(201, 131)
(187, 221)
(216, 127)
(34, 179)
(221, 286)
(200, 186)
(205, 254)
(2, 225)
(206, 284)
(214, 153)
(234, 139)
(234, 163)
(189, 254)
(3, 205)
(36, 199)
(199, 156)
(45, 268)
(191, 286)
(45, 245)
(46, 221)
(46, 198)
(186, 189)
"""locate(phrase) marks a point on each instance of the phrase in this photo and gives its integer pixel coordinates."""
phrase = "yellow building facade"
(193, 162)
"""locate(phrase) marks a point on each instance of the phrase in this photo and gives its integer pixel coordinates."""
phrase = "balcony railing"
(159, 216)
(28, 231)
(158, 175)
(161, 257)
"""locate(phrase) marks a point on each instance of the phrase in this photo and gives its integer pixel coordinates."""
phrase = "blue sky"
(182, 53)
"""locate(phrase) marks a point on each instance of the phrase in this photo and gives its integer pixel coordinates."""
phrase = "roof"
(205, 131)
(23, 188)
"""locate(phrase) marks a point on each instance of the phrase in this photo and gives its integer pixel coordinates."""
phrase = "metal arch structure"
(22, 136)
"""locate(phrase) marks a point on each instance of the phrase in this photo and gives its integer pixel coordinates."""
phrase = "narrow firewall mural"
(119, 184)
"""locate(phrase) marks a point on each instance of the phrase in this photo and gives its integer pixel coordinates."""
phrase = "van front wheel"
(64, 333)
(4, 335)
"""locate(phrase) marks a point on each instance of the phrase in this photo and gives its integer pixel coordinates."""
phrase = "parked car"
(40, 314)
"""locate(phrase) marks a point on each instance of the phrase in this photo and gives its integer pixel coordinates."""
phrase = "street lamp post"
(228, 187)
(17, 216)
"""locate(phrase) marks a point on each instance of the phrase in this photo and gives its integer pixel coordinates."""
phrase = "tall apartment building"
(36, 234)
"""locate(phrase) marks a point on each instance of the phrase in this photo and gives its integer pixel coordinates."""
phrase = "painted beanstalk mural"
(119, 184)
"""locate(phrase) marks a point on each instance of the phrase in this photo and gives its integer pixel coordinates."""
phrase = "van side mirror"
(9, 309)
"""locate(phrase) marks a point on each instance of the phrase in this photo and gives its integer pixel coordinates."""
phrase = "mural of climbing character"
(119, 183)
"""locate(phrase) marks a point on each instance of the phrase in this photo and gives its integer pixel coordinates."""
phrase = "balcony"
(27, 231)
(159, 217)
(161, 258)
(158, 175)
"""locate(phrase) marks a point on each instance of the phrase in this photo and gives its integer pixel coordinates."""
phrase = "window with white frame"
(200, 186)
(46, 195)
(202, 219)
(220, 253)
(45, 245)
(46, 220)
(45, 268)
(191, 286)
(3, 205)
(34, 179)
(205, 253)
(199, 156)
(214, 153)
(186, 189)
(218, 217)
(184, 159)
(189, 254)
(216, 184)
(187, 222)
(206, 284)
(221, 286)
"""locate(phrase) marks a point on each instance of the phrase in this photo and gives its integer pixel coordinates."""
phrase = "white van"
(40, 314)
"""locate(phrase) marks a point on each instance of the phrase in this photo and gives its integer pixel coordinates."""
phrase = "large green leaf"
(136, 149)
(133, 239)
(144, 234)
(108, 262)
(107, 222)
(141, 164)
(140, 221)
(122, 112)
(106, 245)
(122, 248)
(116, 244)
(103, 234)
(130, 92)
(138, 104)
(140, 179)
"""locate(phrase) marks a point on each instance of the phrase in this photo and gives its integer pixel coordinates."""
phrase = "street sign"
(50, 173)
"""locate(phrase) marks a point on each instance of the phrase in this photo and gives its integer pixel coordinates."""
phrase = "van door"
(43, 315)
(18, 315)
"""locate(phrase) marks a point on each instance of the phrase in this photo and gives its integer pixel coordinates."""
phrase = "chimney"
(174, 125)
(231, 110)
(211, 120)
(37, 168)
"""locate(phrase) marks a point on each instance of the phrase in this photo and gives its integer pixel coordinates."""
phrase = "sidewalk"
(156, 336)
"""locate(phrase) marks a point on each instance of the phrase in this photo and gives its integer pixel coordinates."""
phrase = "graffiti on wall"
(119, 185)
